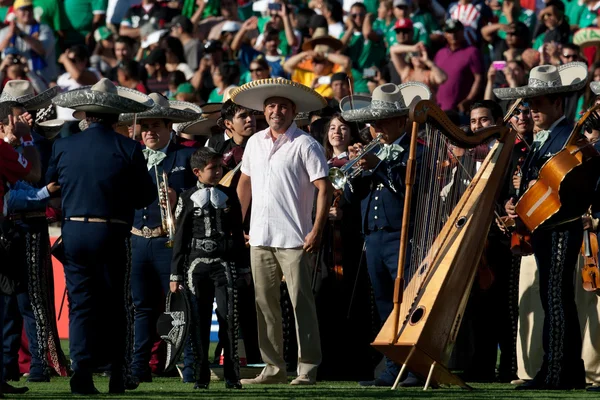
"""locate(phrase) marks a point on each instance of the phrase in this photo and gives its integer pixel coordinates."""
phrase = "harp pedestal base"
(419, 363)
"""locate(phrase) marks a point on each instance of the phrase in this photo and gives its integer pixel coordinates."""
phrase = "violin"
(520, 237)
(590, 272)
(337, 245)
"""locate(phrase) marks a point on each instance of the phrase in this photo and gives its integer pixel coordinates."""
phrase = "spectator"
(175, 56)
(183, 29)
(340, 87)
(383, 25)
(123, 51)
(155, 66)
(213, 56)
(103, 59)
(402, 10)
(259, 69)
(84, 17)
(301, 20)
(554, 25)
(413, 65)
(514, 39)
(186, 92)
(512, 75)
(472, 15)
(150, 11)
(225, 78)
(364, 41)
(512, 13)
(570, 53)
(333, 12)
(176, 78)
(405, 33)
(211, 28)
(228, 33)
(315, 65)
(75, 61)
(463, 66)
(424, 15)
(31, 39)
(242, 43)
(129, 76)
(280, 21)
(316, 21)
(116, 11)
(14, 67)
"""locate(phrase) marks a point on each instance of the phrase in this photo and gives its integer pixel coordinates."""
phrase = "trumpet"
(339, 176)
(166, 213)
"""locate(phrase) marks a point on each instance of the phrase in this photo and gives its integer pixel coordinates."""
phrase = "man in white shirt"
(281, 168)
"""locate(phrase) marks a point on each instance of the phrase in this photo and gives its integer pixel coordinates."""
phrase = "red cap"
(403, 23)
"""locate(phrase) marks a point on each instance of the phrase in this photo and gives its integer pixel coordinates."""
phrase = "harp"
(448, 235)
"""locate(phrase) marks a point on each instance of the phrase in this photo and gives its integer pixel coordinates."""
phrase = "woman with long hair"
(413, 64)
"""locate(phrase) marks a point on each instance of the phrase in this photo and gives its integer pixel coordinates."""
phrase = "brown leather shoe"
(303, 380)
(265, 380)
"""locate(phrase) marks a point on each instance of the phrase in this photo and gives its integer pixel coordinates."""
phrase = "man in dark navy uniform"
(151, 258)
(103, 179)
(380, 191)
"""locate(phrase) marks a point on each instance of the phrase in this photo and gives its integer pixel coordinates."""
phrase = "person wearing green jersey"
(512, 12)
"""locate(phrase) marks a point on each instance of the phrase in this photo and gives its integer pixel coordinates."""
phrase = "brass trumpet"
(339, 176)
(166, 213)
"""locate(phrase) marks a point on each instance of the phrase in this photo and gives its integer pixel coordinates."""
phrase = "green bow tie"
(153, 157)
(390, 152)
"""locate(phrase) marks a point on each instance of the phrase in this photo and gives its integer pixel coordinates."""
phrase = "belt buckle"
(208, 246)
(146, 232)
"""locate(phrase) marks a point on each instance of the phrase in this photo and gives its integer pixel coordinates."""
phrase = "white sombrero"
(595, 86)
(201, 126)
(548, 79)
(50, 128)
(387, 101)
(104, 98)
(173, 110)
(20, 91)
(253, 94)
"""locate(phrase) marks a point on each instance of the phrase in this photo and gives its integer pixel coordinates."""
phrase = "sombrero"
(210, 108)
(197, 110)
(173, 325)
(548, 79)
(253, 94)
(200, 126)
(173, 110)
(387, 101)
(104, 98)
(302, 119)
(595, 86)
(19, 91)
(50, 128)
(321, 42)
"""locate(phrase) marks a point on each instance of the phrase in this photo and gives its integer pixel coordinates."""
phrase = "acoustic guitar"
(565, 185)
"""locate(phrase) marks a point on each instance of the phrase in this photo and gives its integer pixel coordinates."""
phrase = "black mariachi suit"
(208, 243)
(151, 259)
(102, 174)
(556, 251)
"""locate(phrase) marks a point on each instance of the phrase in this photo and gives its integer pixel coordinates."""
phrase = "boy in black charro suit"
(208, 240)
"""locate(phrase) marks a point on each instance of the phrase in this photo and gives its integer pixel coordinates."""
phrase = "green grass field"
(172, 388)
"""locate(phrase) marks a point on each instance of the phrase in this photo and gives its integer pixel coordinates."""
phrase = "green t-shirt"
(212, 8)
(419, 35)
(525, 16)
(588, 17)
(51, 13)
(380, 27)
(3, 12)
(573, 10)
(215, 97)
(427, 20)
(80, 16)
(371, 5)
(364, 54)
(284, 48)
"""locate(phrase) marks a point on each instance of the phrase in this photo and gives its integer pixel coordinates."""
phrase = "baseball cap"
(453, 25)
(182, 21)
(22, 3)
(212, 45)
(402, 3)
(185, 88)
(231, 26)
(153, 38)
(339, 76)
(403, 23)
(102, 33)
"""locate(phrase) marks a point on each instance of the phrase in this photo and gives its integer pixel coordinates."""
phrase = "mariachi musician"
(26, 207)
(151, 249)
(556, 249)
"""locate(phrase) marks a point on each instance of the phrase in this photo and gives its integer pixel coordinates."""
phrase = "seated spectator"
(340, 87)
(103, 58)
(413, 65)
(315, 65)
(123, 51)
(225, 78)
(554, 27)
(84, 17)
(138, 15)
(175, 56)
(31, 39)
(176, 78)
(129, 76)
(506, 40)
(463, 66)
(213, 56)
(183, 29)
(186, 92)
(259, 69)
(155, 65)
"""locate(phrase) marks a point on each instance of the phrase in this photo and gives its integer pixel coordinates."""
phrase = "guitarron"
(452, 219)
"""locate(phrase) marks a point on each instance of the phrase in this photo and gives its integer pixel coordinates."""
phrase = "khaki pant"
(269, 264)
(531, 317)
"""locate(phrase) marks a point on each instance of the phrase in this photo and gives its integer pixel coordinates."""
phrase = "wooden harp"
(448, 237)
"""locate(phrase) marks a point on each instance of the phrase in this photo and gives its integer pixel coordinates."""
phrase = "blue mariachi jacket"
(180, 176)
(101, 174)
(381, 193)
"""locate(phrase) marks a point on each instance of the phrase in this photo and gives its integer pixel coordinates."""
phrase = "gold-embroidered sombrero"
(20, 91)
(173, 110)
(253, 94)
(387, 101)
(104, 98)
(548, 79)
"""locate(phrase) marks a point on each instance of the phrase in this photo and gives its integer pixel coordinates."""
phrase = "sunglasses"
(252, 71)
(511, 33)
(404, 31)
(358, 15)
(571, 56)
(518, 111)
